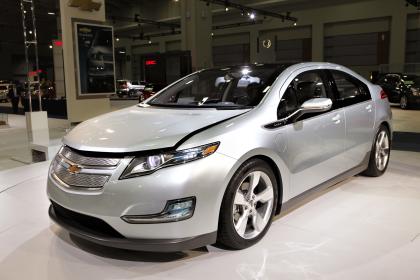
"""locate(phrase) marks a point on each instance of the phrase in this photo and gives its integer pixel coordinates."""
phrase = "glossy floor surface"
(362, 228)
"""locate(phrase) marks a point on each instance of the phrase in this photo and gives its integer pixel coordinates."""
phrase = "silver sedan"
(213, 157)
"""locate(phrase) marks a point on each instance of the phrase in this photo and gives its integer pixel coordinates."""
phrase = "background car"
(130, 88)
(398, 88)
(4, 89)
(150, 90)
(411, 97)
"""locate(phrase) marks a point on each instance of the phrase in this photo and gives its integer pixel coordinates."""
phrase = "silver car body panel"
(306, 154)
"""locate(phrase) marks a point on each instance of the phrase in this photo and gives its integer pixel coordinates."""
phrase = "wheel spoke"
(254, 180)
(258, 222)
(266, 195)
(385, 143)
(381, 139)
(240, 199)
(240, 225)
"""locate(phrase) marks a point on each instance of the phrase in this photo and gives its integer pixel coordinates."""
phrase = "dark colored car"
(412, 98)
(400, 88)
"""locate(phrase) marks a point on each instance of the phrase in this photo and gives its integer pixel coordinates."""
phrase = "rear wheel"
(380, 153)
(248, 206)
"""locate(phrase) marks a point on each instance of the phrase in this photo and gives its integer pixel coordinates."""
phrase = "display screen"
(95, 59)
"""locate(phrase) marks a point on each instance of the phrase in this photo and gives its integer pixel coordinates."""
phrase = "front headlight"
(144, 165)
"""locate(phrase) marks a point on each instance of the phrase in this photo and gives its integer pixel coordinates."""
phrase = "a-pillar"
(196, 28)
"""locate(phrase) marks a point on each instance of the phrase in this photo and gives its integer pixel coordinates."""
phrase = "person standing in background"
(14, 98)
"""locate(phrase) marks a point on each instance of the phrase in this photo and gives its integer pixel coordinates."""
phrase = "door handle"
(336, 119)
(369, 108)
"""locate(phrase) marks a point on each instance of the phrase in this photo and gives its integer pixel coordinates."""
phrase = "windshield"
(228, 88)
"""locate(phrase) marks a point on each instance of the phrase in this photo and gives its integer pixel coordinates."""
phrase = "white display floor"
(363, 228)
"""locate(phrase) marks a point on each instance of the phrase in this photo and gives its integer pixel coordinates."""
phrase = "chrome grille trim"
(99, 162)
(75, 171)
(80, 180)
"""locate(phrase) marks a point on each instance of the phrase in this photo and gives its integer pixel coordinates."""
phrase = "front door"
(315, 143)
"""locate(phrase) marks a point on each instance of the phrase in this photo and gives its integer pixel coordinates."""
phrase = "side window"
(305, 86)
(349, 90)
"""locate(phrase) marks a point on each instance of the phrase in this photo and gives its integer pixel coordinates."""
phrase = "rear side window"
(349, 89)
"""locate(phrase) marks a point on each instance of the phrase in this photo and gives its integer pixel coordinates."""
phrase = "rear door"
(354, 97)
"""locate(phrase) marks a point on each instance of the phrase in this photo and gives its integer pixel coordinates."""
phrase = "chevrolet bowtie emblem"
(85, 5)
(74, 169)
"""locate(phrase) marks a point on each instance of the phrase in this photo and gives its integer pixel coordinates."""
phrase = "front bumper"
(63, 217)
(205, 179)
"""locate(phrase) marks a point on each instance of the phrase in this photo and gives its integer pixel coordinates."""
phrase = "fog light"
(174, 211)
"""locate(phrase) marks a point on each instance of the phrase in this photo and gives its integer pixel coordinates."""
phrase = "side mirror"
(315, 105)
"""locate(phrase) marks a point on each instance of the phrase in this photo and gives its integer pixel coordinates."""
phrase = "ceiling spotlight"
(252, 16)
(227, 9)
(212, 34)
(117, 39)
(30, 31)
(295, 23)
(150, 41)
(50, 46)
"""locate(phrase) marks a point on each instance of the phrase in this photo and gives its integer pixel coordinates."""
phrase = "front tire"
(248, 206)
(380, 153)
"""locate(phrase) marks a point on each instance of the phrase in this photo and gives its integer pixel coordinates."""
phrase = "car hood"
(137, 128)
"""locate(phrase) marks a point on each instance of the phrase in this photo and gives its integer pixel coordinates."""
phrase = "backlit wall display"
(95, 59)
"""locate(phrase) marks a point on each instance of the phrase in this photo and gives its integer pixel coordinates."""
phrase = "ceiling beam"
(248, 9)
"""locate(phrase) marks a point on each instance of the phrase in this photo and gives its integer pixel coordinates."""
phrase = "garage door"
(231, 54)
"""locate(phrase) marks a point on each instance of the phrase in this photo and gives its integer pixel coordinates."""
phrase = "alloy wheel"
(253, 204)
(382, 150)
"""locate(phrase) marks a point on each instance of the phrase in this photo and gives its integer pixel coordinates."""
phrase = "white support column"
(78, 109)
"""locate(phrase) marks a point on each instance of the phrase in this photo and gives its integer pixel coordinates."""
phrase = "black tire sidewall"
(231, 238)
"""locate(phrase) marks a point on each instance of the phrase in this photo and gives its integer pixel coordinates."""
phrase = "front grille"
(72, 169)
(88, 161)
(84, 222)
(80, 180)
